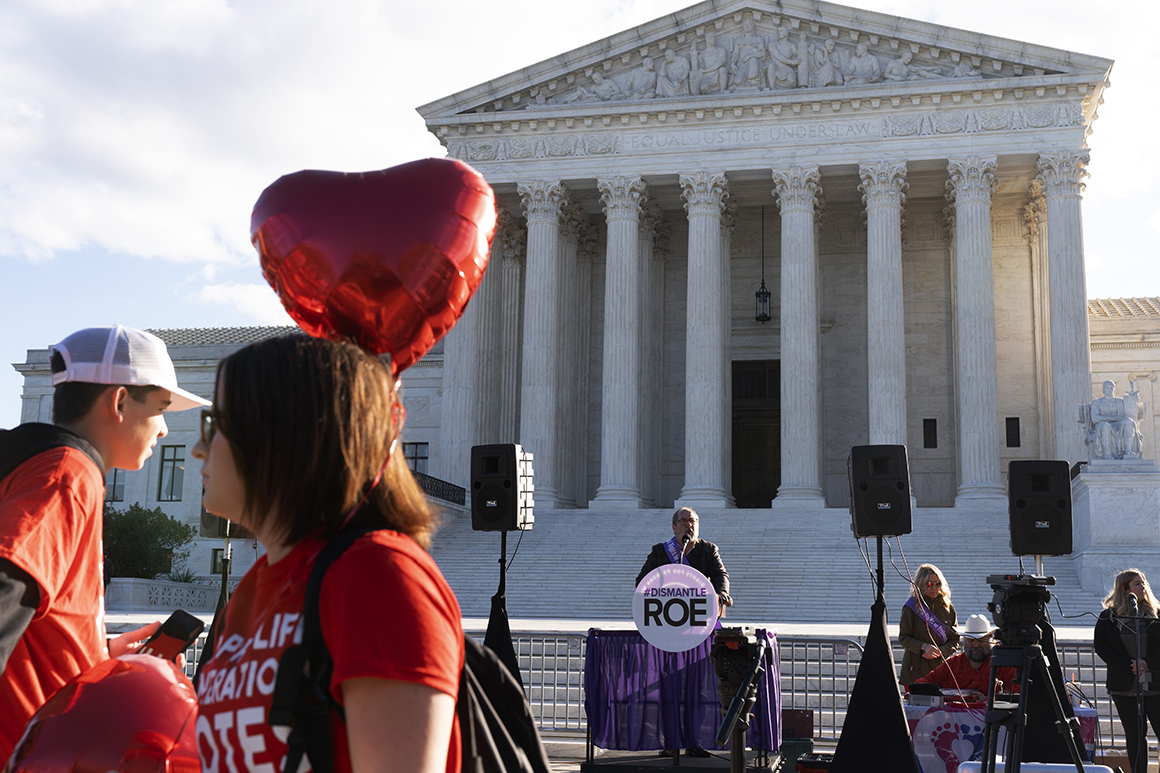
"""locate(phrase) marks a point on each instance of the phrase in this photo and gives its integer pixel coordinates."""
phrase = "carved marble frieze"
(770, 130)
(751, 52)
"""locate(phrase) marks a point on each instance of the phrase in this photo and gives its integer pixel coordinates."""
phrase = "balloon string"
(366, 494)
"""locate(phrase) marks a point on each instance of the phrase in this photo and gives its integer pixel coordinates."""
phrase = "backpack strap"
(301, 699)
(21, 443)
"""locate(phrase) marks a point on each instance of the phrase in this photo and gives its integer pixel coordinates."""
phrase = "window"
(930, 433)
(416, 456)
(1013, 432)
(115, 486)
(172, 474)
(215, 560)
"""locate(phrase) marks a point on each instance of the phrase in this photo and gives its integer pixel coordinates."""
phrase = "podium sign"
(675, 608)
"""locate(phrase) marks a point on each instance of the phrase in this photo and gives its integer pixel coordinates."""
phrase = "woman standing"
(926, 628)
(1116, 644)
(302, 441)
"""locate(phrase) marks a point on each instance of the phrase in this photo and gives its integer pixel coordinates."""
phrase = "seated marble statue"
(1111, 425)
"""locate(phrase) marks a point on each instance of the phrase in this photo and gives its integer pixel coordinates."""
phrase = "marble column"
(704, 194)
(585, 257)
(620, 442)
(796, 189)
(543, 203)
(467, 393)
(1061, 175)
(513, 243)
(1035, 216)
(728, 225)
(653, 229)
(972, 180)
(458, 426)
(571, 446)
(883, 192)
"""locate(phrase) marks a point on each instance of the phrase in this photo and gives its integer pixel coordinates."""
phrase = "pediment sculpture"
(1111, 428)
(750, 61)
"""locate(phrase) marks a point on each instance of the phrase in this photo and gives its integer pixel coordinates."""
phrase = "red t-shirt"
(50, 526)
(385, 611)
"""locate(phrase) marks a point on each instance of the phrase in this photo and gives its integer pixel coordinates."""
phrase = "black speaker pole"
(881, 598)
(502, 564)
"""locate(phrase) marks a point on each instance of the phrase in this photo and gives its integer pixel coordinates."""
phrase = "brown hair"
(310, 424)
(1117, 599)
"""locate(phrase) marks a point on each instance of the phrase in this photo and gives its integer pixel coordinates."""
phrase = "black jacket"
(703, 557)
(1109, 645)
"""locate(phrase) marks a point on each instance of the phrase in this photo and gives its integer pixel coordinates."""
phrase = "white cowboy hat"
(978, 627)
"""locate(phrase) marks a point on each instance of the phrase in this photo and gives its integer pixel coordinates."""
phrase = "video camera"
(1019, 606)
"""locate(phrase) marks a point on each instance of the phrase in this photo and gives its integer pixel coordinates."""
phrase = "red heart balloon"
(133, 713)
(386, 259)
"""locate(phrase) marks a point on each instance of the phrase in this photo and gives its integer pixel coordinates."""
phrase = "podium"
(640, 698)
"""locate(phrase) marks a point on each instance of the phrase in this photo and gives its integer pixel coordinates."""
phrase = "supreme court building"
(909, 194)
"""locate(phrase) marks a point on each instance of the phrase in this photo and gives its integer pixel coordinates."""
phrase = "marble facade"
(923, 245)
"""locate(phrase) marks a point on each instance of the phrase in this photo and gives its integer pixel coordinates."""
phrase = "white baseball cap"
(123, 356)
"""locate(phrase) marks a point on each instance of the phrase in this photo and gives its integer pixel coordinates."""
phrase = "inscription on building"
(758, 136)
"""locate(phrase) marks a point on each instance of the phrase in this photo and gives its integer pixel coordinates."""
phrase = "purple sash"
(937, 627)
(674, 552)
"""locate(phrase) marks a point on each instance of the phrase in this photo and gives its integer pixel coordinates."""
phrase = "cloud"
(257, 302)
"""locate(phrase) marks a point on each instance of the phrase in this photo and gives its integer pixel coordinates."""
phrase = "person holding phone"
(112, 389)
(302, 441)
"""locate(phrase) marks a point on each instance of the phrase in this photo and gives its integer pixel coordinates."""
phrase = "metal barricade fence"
(816, 673)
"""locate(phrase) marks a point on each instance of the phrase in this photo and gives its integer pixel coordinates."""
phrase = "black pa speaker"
(879, 491)
(501, 488)
(1039, 503)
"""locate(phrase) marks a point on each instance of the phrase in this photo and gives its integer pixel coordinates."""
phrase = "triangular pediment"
(717, 53)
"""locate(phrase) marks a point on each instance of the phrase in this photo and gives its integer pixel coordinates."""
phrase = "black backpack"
(496, 726)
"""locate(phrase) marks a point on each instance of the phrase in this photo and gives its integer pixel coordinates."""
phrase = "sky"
(136, 135)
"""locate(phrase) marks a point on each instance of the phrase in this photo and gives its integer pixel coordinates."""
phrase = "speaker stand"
(503, 566)
(881, 597)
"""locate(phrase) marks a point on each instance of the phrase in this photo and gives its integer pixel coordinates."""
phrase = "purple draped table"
(639, 697)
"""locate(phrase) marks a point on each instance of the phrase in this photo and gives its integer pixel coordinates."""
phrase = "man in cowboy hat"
(969, 672)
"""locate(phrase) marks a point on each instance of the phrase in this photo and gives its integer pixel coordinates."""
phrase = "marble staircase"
(785, 567)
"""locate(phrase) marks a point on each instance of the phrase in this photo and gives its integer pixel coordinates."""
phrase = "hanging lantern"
(763, 293)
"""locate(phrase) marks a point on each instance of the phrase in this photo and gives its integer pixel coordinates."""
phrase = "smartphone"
(174, 637)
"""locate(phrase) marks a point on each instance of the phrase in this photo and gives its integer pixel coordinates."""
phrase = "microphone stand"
(1142, 681)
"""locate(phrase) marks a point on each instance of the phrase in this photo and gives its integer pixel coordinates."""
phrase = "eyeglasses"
(208, 430)
(687, 522)
(929, 583)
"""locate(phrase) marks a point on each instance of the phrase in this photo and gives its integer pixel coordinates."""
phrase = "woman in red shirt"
(302, 441)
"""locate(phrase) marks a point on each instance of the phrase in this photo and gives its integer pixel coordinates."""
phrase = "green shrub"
(145, 543)
(183, 575)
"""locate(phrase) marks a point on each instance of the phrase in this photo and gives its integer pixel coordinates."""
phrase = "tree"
(145, 543)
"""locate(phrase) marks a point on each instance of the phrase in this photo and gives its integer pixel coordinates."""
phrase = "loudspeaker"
(501, 488)
(1039, 503)
(879, 491)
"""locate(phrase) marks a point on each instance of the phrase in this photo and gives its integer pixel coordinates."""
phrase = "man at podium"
(686, 547)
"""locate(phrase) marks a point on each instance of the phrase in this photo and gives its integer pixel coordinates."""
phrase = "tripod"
(1020, 650)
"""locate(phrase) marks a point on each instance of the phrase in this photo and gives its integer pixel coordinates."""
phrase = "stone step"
(784, 566)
